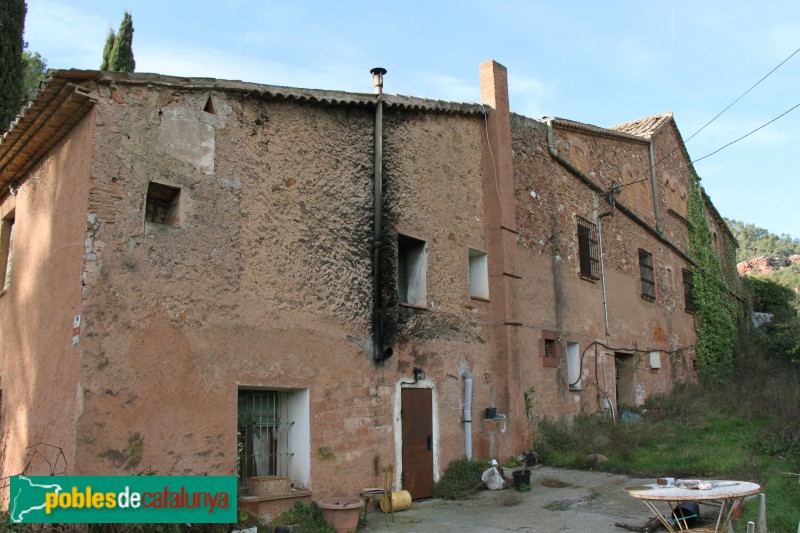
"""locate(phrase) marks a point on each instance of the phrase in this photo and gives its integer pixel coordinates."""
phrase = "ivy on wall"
(715, 313)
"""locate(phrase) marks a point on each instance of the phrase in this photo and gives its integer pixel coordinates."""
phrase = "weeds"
(307, 518)
(747, 428)
(461, 479)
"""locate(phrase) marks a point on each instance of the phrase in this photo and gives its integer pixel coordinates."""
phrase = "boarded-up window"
(647, 276)
(688, 287)
(588, 249)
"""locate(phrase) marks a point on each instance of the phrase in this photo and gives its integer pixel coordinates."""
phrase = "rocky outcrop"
(763, 265)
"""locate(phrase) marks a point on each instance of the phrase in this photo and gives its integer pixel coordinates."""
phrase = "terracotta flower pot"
(341, 513)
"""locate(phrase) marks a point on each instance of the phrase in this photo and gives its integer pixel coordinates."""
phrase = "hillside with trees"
(770, 257)
(756, 242)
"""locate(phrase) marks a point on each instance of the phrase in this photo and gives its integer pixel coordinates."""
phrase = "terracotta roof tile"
(644, 127)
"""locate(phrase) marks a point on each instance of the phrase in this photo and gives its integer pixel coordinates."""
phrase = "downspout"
(659, 227)
(467, 414)
(596, 188)
(378, 352)
(602, 261)
(551, 147)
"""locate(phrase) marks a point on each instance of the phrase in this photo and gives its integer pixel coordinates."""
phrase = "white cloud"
(528, 95)
(78, 37)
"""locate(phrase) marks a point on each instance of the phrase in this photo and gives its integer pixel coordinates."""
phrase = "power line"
(743, 94)
(715, 118)
(747, 134)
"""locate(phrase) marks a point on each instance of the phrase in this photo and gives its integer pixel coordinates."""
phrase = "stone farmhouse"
(209, 277)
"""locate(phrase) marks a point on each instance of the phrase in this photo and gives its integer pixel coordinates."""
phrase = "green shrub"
(308, 518)
(460, 480)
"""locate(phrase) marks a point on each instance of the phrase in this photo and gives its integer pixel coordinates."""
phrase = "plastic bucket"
(401, 500)
(522, 477)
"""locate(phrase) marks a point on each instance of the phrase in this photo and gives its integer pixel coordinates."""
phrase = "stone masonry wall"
(266, 280)
(560, 300)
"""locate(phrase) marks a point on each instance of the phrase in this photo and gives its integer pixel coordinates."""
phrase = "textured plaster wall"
(38, 365)
(266, 280)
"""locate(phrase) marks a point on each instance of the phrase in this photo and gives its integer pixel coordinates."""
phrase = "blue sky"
(602, 63)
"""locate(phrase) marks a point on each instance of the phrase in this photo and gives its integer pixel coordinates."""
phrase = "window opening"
(162, 204)
(411, 270)
(263, 434)
(688, 287)
(7, 249)
(548, 348)
(478, 274)
(574, 365)
(647, 276)
(588, 249)
(210, 107)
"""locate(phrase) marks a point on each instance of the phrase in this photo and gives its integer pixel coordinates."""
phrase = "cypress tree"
(12, 24)
(121, 58)
(107, 50)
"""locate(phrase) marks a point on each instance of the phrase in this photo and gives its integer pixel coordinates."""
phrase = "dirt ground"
(560, 501)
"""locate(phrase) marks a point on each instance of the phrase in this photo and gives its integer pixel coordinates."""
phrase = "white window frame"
(294, 434)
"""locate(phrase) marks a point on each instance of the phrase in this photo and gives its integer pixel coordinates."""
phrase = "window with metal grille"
(688, 287)
(263, 434)
(162, 204)
(588, 249)
(6, 250)
(647, 275)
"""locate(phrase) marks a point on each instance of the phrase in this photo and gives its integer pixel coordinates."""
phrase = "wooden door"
(417, 419)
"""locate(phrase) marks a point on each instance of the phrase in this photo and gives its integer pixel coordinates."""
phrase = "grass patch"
(746, 429)
(557, 506)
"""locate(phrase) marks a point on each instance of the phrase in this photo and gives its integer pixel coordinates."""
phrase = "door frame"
(398, 427)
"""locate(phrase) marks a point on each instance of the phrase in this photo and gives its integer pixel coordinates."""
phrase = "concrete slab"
(560, 501)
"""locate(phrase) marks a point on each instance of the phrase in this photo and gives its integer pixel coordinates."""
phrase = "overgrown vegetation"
(307, 518)
(460, 480)
(747, 428)
(715, 313)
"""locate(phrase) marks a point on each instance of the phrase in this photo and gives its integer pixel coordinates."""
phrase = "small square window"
(655, 360)
(162, 204)
(548, 349)
(6, 250)
(478, 274)
(588, 249)
(648, 280)
(412, 264)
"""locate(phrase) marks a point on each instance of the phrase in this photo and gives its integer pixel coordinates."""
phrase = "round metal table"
(727, 493)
